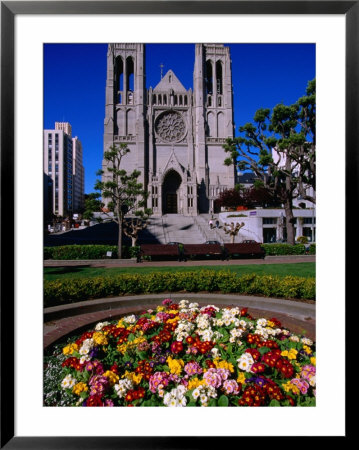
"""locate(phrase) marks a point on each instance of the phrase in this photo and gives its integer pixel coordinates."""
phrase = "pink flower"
(193, 368)
(301, 384)
(308, 371)
(231, 387)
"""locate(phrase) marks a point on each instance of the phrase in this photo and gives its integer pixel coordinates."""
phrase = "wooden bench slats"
(202, 249)
(244, 249)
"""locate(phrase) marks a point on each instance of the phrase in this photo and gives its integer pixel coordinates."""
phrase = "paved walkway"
(60, 321)
(285, 259)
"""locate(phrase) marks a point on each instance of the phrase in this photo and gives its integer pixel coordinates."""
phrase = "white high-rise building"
(78, 175)
(63, 169)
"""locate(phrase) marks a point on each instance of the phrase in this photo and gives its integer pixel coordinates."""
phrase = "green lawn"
(305, 269)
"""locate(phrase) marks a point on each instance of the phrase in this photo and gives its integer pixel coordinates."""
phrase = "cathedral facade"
(175, 135)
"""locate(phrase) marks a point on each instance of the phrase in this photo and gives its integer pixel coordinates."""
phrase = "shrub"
(283, 249)
(75, 290)
(78, 252)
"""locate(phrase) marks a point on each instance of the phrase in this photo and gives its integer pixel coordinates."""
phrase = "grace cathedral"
(175, 136)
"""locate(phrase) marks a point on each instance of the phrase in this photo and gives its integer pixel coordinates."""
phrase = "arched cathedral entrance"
(171, 192)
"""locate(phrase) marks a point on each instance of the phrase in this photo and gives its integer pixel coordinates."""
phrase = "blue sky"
(263, 75)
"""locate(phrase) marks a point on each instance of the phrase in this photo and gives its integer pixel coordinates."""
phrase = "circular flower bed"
(183, 355)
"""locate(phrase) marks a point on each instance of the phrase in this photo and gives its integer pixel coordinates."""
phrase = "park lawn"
(304, 269)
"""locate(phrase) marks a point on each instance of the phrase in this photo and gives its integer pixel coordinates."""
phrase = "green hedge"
(75, 290)
(71, 252)
(287, 249)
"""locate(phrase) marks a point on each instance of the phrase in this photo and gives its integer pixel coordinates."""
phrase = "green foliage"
(75, 290)
(78, 252)
(285, 249)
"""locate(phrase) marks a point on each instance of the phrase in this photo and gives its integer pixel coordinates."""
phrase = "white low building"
(269, 225)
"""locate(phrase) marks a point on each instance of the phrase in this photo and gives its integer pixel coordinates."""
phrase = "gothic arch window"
(219, 77)
(154, 100)
(176, 99)
(165, 99)
(130, 74)
(211, 124)
(209, 77)
(131, 122)
(185, 100)
(120, 122)
(159, 99)
(119, 78)
(220, 125)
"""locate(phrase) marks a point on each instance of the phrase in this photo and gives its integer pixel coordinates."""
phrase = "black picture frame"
(9, 9)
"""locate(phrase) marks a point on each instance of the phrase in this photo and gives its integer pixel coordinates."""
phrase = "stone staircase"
(178, 228)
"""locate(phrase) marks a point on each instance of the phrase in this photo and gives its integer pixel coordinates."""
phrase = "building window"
(209, 77)
(269, 220)
(219, 78)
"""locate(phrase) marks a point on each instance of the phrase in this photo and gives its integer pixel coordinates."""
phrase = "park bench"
(193, 250)
(159, 251)
(244, 250)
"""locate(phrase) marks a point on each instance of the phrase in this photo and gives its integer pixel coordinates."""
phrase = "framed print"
(26, 28)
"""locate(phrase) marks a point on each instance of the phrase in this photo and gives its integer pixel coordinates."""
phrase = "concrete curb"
(297, 310)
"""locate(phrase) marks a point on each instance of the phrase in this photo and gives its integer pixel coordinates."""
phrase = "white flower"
(193, 305)
(130, 319)
(86, 347)
(196, 393)
(294, 338)
(306, 341)
(215, 352)
(203, 398)
(262, 322)
(68, 382)
(123, 386)
(245, 362)
(84, 359)
(100, 325)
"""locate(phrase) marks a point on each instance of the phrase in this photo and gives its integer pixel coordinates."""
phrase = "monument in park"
(175, 136)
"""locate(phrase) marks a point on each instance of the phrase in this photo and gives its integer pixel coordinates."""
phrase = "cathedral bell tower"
(125, 105)
(213, 121)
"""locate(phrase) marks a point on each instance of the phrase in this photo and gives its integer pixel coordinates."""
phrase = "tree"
(230, 198)
(92, 204)
(124, 193)
(279, 147)
(232, 229)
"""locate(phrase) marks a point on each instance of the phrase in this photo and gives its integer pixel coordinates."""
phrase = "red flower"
(94, 400)
(258, 367)
(176, 347)
(254, 352)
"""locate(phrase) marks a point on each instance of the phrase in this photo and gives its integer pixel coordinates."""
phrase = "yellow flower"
(175, 365)
(79, 387)
(122, 348)
(160, 308)
(291, 354)
(69, 349)
(241, 378)
(289, 387)
(173, 311)
(313, 360)
(112, 377)
(194, 383)
(135, 378)
(270, 324)
(223, 365)
(120, 324)
(307, 349)
(99, 338)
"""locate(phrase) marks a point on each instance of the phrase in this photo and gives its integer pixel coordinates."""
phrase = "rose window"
(170, 127)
